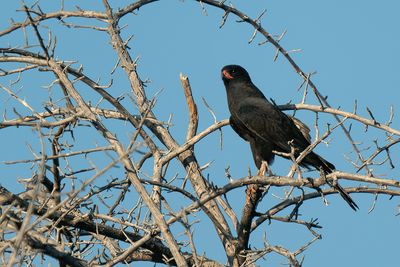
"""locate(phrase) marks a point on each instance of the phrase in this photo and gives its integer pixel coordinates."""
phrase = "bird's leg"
(264, 168)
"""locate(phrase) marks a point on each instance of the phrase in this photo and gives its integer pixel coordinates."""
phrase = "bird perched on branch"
(267, 128)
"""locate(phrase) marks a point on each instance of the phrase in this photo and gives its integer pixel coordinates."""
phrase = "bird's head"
(234, 73)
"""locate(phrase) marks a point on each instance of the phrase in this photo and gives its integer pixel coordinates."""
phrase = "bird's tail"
(346, 196)
(328, 167)
(318, 162)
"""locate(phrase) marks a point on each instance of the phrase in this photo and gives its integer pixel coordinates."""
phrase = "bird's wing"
(262, 119)
(238, 128)
(302, 127)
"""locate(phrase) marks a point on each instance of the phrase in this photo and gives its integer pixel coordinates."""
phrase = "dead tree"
(88, 203)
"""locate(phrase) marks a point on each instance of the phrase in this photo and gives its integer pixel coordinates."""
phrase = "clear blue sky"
(353, 46)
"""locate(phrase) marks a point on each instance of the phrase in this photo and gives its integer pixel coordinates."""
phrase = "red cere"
(227, 75)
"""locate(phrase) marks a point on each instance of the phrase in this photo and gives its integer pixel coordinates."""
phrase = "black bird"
(266, 128)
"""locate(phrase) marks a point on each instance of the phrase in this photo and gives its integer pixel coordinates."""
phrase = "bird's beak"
(226, 75)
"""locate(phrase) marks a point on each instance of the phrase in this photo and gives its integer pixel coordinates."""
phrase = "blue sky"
(353, 46)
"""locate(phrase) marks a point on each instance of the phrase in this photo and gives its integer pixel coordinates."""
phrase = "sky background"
(353, 46)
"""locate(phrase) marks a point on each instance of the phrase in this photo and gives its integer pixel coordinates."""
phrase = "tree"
(110, 183)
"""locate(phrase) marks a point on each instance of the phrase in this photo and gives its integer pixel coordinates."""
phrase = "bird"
(268, 129)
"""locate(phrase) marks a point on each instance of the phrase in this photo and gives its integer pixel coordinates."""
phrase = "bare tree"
(75, 206)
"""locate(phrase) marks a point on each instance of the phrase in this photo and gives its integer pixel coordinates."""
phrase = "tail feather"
(346, 197)
(328, 167)
(318, 162)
